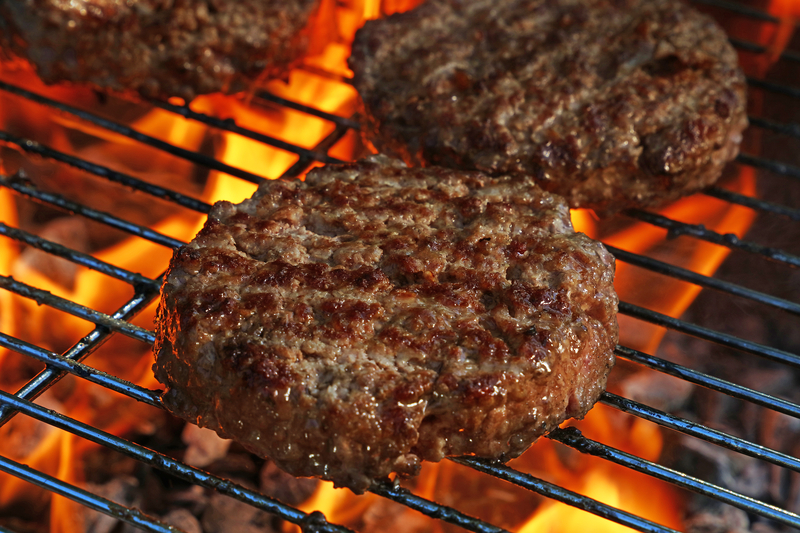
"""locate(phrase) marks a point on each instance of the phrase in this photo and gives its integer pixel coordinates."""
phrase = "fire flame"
(61, 454)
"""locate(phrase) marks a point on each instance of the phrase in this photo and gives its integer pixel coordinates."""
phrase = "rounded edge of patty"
(609, 103)
(375, 316)
(195, 47)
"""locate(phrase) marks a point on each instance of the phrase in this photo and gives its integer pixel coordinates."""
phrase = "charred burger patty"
(155, 47)
(609, 103)
(374, 316)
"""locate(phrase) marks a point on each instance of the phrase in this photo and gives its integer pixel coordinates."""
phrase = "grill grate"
(146, 291)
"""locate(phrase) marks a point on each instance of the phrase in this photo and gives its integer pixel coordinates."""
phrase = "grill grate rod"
(230, 125)
(76, 368)
(27, 189)
(740, 9)
(183, 153)
(791, 129)
(690, 276)
(79, 258)
(160, 461)
(771, 86)
(754, 203)
(43, 297)
(769, 164)
(38, 149)
(198, 477)
(78, 352)
(558, 493)
(760, 49)
(710, 382)
(573, 438)
(729, 240)
(93, 501)
(717, 337)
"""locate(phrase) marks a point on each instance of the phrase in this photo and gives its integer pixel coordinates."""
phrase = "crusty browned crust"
(155, 47)
(374, 316)
(610, 103)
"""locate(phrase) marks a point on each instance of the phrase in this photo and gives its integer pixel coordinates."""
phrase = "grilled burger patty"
(609, 103)
(158, 48)
(373, 316)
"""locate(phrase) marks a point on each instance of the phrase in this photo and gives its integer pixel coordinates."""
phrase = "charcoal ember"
(122, 490)
(67, 231)
(726, 519)
(203, 446)
(183, 520)
(225, 514)
(277, 484)
(657, 390)
(194, 499)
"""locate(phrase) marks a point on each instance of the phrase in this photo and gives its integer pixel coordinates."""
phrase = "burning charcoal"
(194, 499)
(239, 463)
(725, 519)
(657, 390)
(183, 520)
(203, 446)
(122, 490)
(291, 490)
(225, 514)
(67, 231)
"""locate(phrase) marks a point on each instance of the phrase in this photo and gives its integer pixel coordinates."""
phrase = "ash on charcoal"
(277, 484)
(122, 490)
(224, 514)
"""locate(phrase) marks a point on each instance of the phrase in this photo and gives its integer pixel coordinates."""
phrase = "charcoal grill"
(146, 290)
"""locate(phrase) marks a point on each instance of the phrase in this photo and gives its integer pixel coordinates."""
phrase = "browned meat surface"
(159, 48)
(374, 316)
(610, 103)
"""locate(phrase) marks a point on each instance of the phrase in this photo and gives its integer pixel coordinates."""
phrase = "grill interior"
(781, 260)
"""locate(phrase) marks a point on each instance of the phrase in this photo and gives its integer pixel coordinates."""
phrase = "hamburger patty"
(373, 316)
(609, 103)
(156, 47)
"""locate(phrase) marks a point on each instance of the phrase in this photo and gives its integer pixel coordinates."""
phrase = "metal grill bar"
(740, 9)
(160, 461)
(230, 125)
(28, 190)
(754, 203)
(68, 306)
(704, 281)
(573, 438)
(698, 231)
(92, 501)
(78, 352)
(79, 258)
(710, 382)
(700, 332)
(769, 164)
(189, 155)
(35, 148)
(773, 87)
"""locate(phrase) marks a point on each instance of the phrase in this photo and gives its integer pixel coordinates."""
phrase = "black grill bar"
(683, 274)
(769, 164)
(771, 86)
(35, 148)
(302, 164)
(98, 503)
(698, 231)
(230, 125)
(79, 258)
(710, 382)
(754, 203)
(700, 431)
(740, 9)
(759, 49)
(27, 189)
(78, 352)
(61, 363)
(283, 102)
(790, 130)
(558, 493)
(700, 332)
(189, 155)
(42, 297)
(573, 438)
(160, 461)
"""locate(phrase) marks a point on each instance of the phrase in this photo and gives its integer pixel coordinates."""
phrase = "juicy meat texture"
(609, 103)
(158, 48)
(374, 316)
